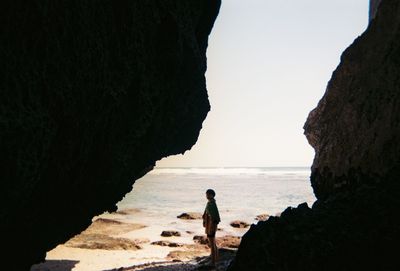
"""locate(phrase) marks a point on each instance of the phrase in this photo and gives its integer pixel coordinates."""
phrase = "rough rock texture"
(170, 233)
(190, 252)
(355, 231)
(373, 8)
(239, 224)
(111, 227)
(184, 261)
(200, 239)
(355, 131)
(166, 244)
(190, 216)
(262, 217)
(226, 241)
(101, 241)
(92, 93)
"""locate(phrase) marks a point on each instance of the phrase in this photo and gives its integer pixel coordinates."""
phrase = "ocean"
(164, 193)
(242, 194)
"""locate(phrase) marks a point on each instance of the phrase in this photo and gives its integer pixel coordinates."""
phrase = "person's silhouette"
(210, 222)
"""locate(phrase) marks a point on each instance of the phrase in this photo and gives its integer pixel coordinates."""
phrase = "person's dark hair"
(210, 192)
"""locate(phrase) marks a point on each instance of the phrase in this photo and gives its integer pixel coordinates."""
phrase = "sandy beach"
(113, 244)
(158, 225)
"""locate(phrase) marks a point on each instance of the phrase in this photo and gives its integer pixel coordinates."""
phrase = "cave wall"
(92, 93)
(355, 131)
(373, 8)
(355, 128)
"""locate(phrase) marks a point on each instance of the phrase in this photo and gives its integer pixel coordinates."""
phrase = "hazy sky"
(268, 65)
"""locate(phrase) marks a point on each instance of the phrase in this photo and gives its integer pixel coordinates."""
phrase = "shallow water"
(159, 197)
(242, 194)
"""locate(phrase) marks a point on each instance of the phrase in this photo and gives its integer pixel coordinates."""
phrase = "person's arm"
(205, 216)
(213, 211)
(217, 218)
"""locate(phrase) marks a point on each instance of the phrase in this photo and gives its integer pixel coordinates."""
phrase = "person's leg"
(211, 242)
(215, 251)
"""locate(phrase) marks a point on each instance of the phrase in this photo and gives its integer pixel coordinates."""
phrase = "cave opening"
(268, 65)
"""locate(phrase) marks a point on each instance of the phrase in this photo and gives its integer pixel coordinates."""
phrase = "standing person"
(210, 222)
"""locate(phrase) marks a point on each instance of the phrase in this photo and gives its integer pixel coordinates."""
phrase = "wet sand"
(112, 243)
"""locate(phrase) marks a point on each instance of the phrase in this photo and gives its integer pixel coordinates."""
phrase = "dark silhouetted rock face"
(351, 231)
(373, 8)
(355, 131)
(92, 93)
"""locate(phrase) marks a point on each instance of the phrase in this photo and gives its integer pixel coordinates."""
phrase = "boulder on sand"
(185, 255)
(190, 216)
(239, 224)
(166, 244)
(111, 227)
(170, 233)
(262, 217)
(101, 241)
(200, 239)
(228, 241)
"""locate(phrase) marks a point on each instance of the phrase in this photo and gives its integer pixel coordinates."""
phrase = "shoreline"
(112, 243)
(131, 236)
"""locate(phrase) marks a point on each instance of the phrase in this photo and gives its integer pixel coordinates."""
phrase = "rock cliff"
(355, 131)
(373, 8)
(92, 93)
(355, 128)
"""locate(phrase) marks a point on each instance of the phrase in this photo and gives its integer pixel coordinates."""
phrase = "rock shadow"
(158, 266)
(199, 263)
(55, 265)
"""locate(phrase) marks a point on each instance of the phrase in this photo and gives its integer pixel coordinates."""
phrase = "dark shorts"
(212, 235)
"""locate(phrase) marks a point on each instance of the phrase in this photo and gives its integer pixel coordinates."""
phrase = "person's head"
(210, 194)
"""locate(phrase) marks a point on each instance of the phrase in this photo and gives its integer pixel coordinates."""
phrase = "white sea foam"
(231, 171)
(159, 197)
(242, 193)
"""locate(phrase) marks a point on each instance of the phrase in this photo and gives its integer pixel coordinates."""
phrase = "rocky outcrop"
(262, 217)
(239, 224)
(111, 227)
(92, 94)
(200, 239)
(101, 241)
(226, 241)
(355, 128)
(166, 244)
(355, 131)
(170, 233)
(351, 231)
(373, 8)
(190, 216)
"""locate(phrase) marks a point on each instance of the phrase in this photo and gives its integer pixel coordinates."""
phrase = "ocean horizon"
(227, 170)
(242, 194)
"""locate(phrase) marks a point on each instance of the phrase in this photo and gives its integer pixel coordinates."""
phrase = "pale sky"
(268, 66)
